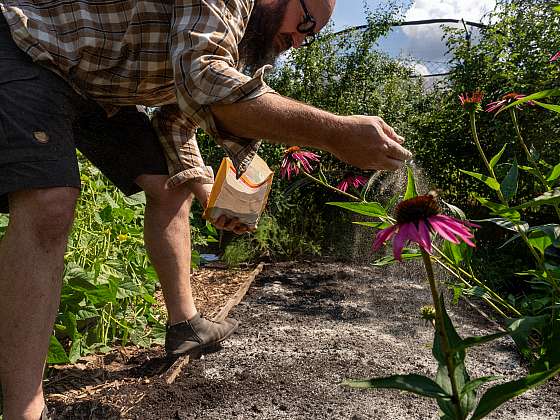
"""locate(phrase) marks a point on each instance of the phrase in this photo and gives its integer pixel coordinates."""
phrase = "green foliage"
(270, 241)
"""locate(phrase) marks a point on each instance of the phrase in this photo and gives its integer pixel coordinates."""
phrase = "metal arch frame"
(418, 23)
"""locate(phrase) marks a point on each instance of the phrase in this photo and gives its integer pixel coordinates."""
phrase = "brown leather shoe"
(197, 336)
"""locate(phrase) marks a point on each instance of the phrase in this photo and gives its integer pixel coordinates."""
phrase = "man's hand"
(370, 143)
(232, 225)
(202, 194)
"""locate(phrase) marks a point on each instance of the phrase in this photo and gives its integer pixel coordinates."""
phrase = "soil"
(305, 327)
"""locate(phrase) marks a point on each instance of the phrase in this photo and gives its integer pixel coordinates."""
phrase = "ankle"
(177, 319)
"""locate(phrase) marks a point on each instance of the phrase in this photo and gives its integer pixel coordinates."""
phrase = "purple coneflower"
(555, 57)
(416, 219)
(506, 100)
(295, 159)
(472, 101)
(356, 181)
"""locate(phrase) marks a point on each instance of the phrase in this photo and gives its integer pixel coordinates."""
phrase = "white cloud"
(453, 9)
(425, 41)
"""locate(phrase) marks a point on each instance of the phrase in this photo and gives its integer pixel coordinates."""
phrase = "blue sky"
(420, 42)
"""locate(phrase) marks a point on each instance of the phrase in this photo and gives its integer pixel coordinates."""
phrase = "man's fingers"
(396, 151)
(225, 223)
(391, 133)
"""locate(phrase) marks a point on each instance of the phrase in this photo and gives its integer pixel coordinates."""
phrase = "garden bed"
(304, 328)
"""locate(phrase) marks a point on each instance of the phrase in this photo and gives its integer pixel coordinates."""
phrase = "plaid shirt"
(180, 56)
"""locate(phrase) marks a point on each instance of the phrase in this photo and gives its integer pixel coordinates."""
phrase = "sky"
(422, 43)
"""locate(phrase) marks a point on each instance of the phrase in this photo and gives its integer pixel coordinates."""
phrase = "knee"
(179, 198)
(46, 214)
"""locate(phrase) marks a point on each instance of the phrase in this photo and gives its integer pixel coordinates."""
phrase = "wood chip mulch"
(94, 377)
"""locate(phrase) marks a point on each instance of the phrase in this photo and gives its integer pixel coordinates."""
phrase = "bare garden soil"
(305, 327)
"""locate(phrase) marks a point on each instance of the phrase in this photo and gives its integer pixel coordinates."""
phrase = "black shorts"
(43, 120)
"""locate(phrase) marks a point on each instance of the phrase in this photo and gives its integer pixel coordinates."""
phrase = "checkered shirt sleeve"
(204, 55)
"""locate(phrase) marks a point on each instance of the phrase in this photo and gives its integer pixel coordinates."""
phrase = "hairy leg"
(167, 238)
(31, 264)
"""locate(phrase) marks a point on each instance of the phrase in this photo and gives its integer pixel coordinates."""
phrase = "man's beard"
(257, 48)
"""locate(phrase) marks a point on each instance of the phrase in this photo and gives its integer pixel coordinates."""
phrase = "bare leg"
(167, 238)
(31, 264)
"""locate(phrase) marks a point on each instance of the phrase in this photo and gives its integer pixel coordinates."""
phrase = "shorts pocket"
(34, 120)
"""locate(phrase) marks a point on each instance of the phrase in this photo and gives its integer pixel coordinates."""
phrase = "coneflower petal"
(424, 239)
(448, 227)
(383, 236)
(403, 236)
(456, 226)
(440, 228)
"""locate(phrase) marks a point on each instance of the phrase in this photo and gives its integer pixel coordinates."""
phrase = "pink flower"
(356, 181)
(506, 100)
(417, 218)
(555, 57)
(296, 159)
(471, 101)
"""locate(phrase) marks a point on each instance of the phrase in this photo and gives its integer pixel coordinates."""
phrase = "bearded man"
(74, 75)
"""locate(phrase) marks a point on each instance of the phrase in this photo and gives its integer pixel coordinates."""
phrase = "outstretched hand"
(370, 143)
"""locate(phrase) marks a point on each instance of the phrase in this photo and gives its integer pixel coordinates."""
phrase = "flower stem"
(472, 115)
(441, 331)
(530, 158)
(324, 184)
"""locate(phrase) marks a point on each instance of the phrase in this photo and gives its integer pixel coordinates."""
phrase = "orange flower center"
(292, 149)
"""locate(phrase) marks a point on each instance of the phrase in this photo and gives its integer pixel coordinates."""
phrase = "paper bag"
(244, 198)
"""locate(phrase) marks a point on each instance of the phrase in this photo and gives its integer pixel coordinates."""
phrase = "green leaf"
(476, 383)
(86, 313)
(516, 226)
(509, 184)
(554, 174)
(375, 225)
(477, 291)
(499, 394)
(56, 354)
(367, 209)
(491, 182)
(520, 330)
(456, 210)
(138, 199)
(531, 170)
(411, 185)
(476, 341)
(407, 255)
(550, 107)
(456, 252)
(498, 209)
(129, 289)
(416, 384)
(497, 158)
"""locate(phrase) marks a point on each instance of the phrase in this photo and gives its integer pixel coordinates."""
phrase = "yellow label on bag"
(244, 198)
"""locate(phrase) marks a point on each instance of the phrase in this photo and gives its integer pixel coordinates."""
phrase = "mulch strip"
(96, 379)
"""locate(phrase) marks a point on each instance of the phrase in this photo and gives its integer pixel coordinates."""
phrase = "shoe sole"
(199, 351)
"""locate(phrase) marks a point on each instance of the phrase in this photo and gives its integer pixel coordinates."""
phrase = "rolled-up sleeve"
(204, 54)
(178, 137)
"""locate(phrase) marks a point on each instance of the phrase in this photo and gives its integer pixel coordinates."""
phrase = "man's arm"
(362, 141)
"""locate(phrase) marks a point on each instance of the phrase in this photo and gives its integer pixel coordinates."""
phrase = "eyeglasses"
(307, 27)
